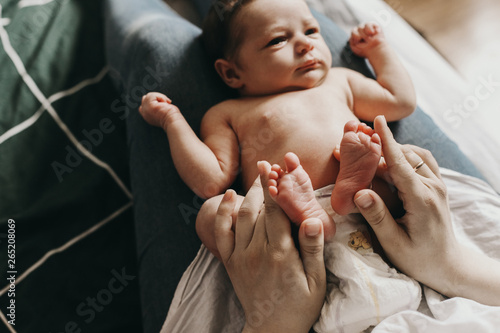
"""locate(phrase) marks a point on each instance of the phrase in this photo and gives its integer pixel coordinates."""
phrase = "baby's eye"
(276, 41)
(311, 31)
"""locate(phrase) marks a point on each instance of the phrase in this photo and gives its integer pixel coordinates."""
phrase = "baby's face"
(282, 49)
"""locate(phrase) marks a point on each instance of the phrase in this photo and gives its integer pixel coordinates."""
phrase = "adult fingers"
(376, 213)
(277, 224)
(427, 157)
(420, 167)
(311, 241)
(224, 235)
(247, 215)
(400, 171)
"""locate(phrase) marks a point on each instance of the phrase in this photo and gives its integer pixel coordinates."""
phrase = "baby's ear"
(228, 73)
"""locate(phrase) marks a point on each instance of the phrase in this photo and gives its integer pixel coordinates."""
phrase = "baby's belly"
(314, 149)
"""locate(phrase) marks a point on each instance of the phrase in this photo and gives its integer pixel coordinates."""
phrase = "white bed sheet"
(476, 220)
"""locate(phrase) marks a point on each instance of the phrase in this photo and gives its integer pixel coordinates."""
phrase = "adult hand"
(279, 290)
(421, 243)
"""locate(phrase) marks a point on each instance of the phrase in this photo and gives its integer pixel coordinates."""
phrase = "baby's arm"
(208, 167)
(392, 94)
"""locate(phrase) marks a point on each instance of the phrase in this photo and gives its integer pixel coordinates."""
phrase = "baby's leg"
(205, 221)
(360, 152)
(292, 190)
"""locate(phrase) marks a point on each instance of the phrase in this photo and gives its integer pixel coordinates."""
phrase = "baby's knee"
(206, 218)
(205, 221)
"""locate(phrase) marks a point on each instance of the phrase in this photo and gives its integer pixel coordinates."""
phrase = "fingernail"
(228, 195)
(260, 167)
(364, 201)
(312, 228)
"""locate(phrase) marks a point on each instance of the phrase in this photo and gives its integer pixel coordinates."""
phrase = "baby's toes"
(276, 172)
(274, 175)
(364, 139)
(362, 127)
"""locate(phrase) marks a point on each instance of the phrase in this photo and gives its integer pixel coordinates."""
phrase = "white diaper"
(362, 289)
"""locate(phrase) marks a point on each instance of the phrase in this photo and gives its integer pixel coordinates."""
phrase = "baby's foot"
(293, 191)
(360, 152)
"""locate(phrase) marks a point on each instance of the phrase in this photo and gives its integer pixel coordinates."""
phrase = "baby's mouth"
(309, 64)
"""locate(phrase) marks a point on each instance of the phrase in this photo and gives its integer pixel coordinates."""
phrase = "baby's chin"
(304, 83)
(309, 84)
(311, 79)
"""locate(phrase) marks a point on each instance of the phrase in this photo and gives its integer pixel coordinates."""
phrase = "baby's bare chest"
(293, 119)
(308, 125)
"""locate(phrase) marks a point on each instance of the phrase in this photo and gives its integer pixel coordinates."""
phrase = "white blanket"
(205, 300)
(476, 219)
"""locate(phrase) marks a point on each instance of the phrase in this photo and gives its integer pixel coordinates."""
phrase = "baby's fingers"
(371, 29)
(156, 97)
(355, 36)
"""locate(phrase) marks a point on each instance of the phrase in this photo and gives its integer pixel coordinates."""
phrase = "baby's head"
(263, 47)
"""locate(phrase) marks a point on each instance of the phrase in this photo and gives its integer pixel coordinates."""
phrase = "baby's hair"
(219, 37)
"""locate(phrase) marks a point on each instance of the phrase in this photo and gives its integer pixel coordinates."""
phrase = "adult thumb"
(376, 213)
(311, 241)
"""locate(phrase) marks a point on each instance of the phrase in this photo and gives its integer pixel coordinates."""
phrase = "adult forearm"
(476, 277)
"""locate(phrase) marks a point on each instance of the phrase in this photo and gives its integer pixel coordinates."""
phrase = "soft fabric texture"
(150, 48)
(367, 291)
(64, 175)
(362, 289)
(475, 210)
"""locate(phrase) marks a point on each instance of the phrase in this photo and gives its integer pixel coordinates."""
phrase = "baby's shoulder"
(341, 72)
(219, 108)
(341, 76)
(223, 110)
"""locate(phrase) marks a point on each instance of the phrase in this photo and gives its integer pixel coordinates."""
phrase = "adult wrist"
(454, 274)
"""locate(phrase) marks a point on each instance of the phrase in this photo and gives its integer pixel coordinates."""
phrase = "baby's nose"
(304, 46)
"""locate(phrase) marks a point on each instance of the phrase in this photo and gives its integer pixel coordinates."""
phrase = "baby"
(291, 100)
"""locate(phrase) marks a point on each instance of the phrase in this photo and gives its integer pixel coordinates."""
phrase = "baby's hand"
(157, 109)
(365, 38)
